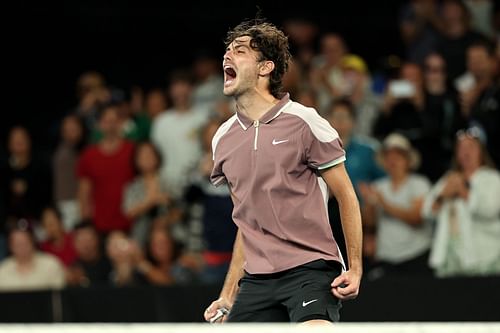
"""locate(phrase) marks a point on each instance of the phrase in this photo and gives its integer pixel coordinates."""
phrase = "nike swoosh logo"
(278, 142)
(304, 304)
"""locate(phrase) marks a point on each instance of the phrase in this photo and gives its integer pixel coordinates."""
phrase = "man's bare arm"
(347, 285)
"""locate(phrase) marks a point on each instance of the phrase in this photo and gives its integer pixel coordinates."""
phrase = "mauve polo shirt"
(271, 166)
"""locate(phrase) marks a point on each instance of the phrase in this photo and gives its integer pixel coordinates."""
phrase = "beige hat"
(400, 142)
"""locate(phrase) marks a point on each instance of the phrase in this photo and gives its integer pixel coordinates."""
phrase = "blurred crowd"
(125, 199)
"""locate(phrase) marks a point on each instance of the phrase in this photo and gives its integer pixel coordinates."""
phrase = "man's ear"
(266, 68)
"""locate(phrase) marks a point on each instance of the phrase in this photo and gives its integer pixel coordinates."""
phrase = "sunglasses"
(471, 133)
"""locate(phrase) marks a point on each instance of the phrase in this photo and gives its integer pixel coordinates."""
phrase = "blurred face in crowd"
(52, 224)
(110, 122)
(19, 141)
(21, 245)
(119, 247)
(468, 153)
(454, 19)
(156, 103)
(480, 63)
(146, 158)
(86, 243)
(435, 71)
(241, 67)
(180, 93)
(412, 72)
(396, 162)
(71, 130)
(205, 67)
(90, 82)
(341, 119)
(333, 49)
(161, 246)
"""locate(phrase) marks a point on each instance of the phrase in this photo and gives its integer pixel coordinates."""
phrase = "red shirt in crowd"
(108, 174)
(65, 252)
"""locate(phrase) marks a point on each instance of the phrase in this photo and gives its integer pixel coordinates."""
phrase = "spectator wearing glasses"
(465, 207)
(441, 118)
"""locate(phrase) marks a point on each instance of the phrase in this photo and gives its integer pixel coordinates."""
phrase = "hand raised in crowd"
(453, 185)
(154, 194)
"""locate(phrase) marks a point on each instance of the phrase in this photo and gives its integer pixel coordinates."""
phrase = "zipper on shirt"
(256, 125)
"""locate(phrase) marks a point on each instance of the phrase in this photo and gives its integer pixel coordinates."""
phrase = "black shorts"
(296, 295)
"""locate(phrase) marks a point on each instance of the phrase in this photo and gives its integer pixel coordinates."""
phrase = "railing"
(388, 299)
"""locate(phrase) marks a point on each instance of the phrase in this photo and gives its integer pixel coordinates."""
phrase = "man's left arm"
(346, 286)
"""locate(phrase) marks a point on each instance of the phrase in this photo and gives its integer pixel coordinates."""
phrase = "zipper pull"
(256, 123)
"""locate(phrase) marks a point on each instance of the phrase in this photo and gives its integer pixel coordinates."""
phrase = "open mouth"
(229, 75)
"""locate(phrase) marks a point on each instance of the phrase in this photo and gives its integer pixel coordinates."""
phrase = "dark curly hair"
(271, 43)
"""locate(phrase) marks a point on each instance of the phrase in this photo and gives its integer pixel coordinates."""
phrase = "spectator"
(103, 171)
(133, 127)
(207, 90)
(326, 72)
(176, 134)
(302, 34)
(441, 118)
(155, 104)
(27, 268)
(146, 197)
(466, 208)
(481, 102)
(160, 266)
(419, 24)
(456, 36)
(120, 250)
(361, 165)
(73, 140)
(219, 230)
(58, 242)
(403, 101)
(393, 206)
(357, 88)
(92, 94)
(25, 179)
(91, 267)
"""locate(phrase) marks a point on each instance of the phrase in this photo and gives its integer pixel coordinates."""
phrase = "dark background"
(139, 42)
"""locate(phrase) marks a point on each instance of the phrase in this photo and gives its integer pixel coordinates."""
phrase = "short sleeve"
(322, 145)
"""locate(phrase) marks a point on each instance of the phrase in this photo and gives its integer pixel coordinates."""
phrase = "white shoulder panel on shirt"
(319, 126)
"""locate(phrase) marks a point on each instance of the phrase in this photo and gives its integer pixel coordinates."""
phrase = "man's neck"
(256, 103)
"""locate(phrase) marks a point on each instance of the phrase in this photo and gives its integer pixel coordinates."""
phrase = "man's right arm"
(230, 288)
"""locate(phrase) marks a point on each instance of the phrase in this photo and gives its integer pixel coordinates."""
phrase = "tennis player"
(279, 158)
